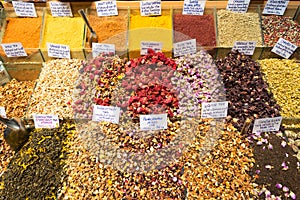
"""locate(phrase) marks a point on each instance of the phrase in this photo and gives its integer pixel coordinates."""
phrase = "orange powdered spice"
(24, 30)
(111, 29)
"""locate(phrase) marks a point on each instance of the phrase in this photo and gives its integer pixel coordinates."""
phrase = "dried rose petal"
(285, 189)
(293, 195)
(278, 185)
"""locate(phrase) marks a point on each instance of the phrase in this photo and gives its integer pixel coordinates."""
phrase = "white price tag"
(14, 49)
(246, 47)
(45, 121)
(58, 50)
(148, 8)
(214, 109)
(153, 122)
(238, 5)
(145, 45)
(266, 124)
(275, 7)
(106, 113)
(2, 111)
(60, 9)
(193, 7)
(106, 8)
(284, 48)
(98, 48)
(24, 9)
(185, 47)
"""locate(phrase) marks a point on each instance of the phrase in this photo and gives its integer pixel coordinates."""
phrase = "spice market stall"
(161, 106)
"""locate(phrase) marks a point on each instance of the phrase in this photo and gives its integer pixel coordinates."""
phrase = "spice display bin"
(291, 11)
(150, 29)
(24, 71)
(223, 50)
(65, 31)
(32, 50)
(202, 28)
(110, 30)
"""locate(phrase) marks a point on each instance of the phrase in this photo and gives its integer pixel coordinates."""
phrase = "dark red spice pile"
(201, 28)
(248, 97)
(148, 85)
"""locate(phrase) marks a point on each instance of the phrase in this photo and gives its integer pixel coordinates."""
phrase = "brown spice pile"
(14, 97)
(223, 173)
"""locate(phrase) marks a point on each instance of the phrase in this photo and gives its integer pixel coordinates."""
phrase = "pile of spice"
(37, 169)
(101, 181)
(111, 29)
(275, 27)
(249, 97)
(63, 30)
(14, 98)
(283, 77)
(223, 172)
(54, 89)
(201, 28)
(233, 26)
(154, 28)
(132, 164)
(24, 30)
(95, 83)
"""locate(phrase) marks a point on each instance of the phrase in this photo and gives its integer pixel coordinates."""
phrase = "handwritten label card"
(14, 49)
(98, 48)
(185, 47)
(238, 5)
(148, 8)
(214, 109)
(45, 121)
(145, 45)
(284, 48)
(266, 124)
(106, 8)
(24, 9)
(275, 7)
(58, 50)
(2, 112)
(246, 47)
(153, 122)
(106, 113)
(193, 7)
(60, 9)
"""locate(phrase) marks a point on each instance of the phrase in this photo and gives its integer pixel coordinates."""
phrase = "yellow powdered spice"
(24, 30)
(146, 28)
(64, 30)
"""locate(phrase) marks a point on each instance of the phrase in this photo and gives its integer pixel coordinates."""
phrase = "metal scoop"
(93, 35)
(16, 133)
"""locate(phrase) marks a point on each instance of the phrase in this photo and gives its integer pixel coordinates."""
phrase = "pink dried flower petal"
(278, 185)
(270, 146)
(285, 189)
(293, 195)
(283, 143)
(285, 167)
(268, 193)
